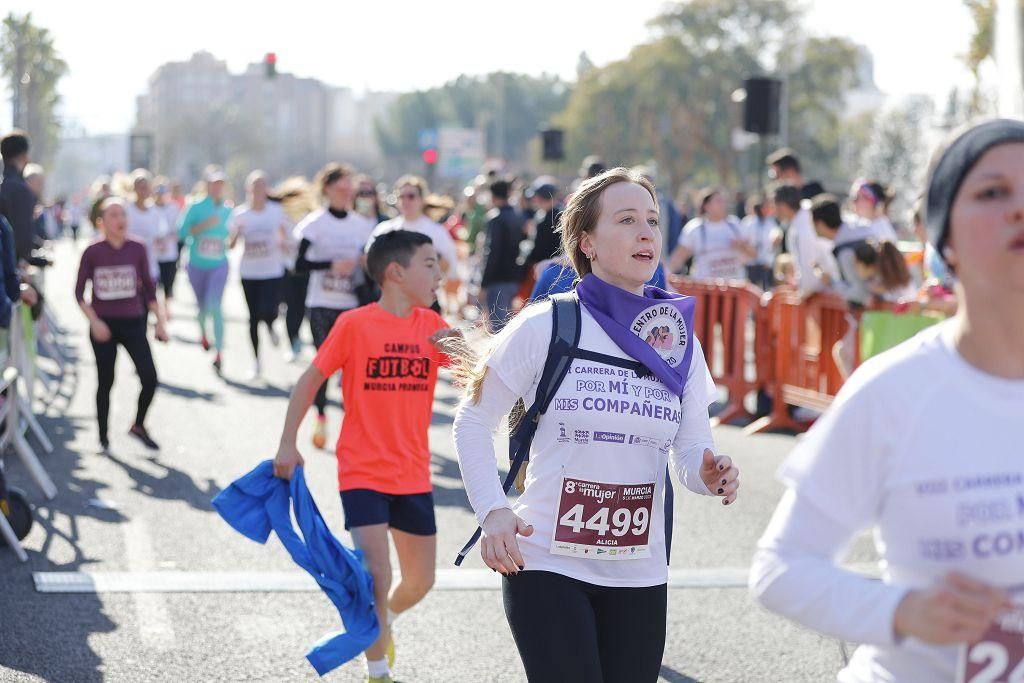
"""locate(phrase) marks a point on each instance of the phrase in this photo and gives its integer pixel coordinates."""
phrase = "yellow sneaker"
(390, 653)
(379, 679)
(320, 432)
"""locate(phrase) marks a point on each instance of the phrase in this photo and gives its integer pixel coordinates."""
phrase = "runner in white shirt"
(812, 255)
(146, 223)
(167, 248)
(411, 190)
(762, 232)
(715, 240)
(922, 445)
(583, 550)
(263, 227)
(331, 244)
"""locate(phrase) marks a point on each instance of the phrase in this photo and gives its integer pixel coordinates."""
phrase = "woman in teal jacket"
(204, 229)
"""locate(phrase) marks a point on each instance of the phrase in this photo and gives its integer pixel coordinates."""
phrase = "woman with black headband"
(922, 445)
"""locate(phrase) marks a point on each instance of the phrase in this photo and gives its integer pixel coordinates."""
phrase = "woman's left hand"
(720, 476)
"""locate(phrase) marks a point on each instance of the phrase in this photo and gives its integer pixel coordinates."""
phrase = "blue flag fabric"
(259, 502)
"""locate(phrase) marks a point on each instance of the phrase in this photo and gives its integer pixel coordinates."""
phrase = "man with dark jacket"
(784, 167)
(546, 242)
(502, 273)
(17, 201)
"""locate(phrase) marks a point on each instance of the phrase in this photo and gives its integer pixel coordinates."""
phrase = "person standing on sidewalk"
(502, 272)
(122, 290)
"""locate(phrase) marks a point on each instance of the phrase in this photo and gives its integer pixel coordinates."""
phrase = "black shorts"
(412, 513)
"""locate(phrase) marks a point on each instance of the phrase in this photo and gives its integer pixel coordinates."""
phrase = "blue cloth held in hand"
(259, 502)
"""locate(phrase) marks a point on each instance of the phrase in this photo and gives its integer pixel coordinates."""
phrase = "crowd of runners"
(516, 287)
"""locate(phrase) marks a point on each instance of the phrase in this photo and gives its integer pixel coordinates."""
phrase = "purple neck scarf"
(653, 329)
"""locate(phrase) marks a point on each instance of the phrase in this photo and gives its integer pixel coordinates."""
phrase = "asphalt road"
(154, 515)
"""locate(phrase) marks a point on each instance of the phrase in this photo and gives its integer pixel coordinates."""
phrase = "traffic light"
(270, 64)
(430, 156)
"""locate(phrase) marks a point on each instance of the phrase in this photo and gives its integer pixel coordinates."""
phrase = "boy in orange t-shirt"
(387, 353)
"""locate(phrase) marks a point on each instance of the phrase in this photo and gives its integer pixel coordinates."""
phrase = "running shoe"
(296, 351)
(257, 371)
(320, 432)
(379, 679)
(390, 652)
(205, 342)
(140, 433)
(217, 363)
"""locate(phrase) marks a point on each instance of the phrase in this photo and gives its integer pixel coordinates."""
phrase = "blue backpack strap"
(565, 337)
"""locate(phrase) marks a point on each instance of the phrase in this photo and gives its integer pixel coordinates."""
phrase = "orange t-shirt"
(388, 372)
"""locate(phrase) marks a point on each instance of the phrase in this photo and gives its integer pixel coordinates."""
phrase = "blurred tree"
(670, 99)
(33, 69)
(897, 154)
(980, 48)
(475, 102)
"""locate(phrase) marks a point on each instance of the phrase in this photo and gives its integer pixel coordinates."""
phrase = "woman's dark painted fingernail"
(721, 490)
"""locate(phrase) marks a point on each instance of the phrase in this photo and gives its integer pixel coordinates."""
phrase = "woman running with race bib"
(584, 550)
(331, 242)
(118, 270)
(922, 445)
(204, 230)
(263, 228)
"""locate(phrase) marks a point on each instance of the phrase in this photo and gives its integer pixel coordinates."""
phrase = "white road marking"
(154, 619)
(151, 582)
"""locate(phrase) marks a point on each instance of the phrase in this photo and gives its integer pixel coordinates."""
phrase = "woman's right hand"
(958, 609)
(99, 330)
(286, 460)
(500, 547)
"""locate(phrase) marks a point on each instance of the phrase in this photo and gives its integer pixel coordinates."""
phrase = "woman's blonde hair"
(584, 208)
(580, 217)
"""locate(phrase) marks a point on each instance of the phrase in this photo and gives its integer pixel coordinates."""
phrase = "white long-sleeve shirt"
(922, 448)
(600, 414)
(809, 250)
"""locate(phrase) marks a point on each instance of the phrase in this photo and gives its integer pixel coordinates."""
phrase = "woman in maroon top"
(122, 291)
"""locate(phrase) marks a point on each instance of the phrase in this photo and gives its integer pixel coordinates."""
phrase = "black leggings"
(321, 320)
(131, 334)
(295, 286)
(569, 630)
(168, 272)
(262, 297)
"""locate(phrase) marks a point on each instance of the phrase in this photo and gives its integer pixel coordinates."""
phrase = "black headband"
(954, 165)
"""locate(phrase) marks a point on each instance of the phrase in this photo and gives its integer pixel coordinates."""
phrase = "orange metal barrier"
(721, 323)
(803, 371)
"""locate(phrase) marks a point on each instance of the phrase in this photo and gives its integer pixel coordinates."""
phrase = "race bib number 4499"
(603, 521)
(999, 656)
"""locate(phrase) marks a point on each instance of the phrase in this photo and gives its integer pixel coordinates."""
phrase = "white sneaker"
(257, 371)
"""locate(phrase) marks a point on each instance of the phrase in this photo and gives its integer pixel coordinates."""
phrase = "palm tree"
(33, 69)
